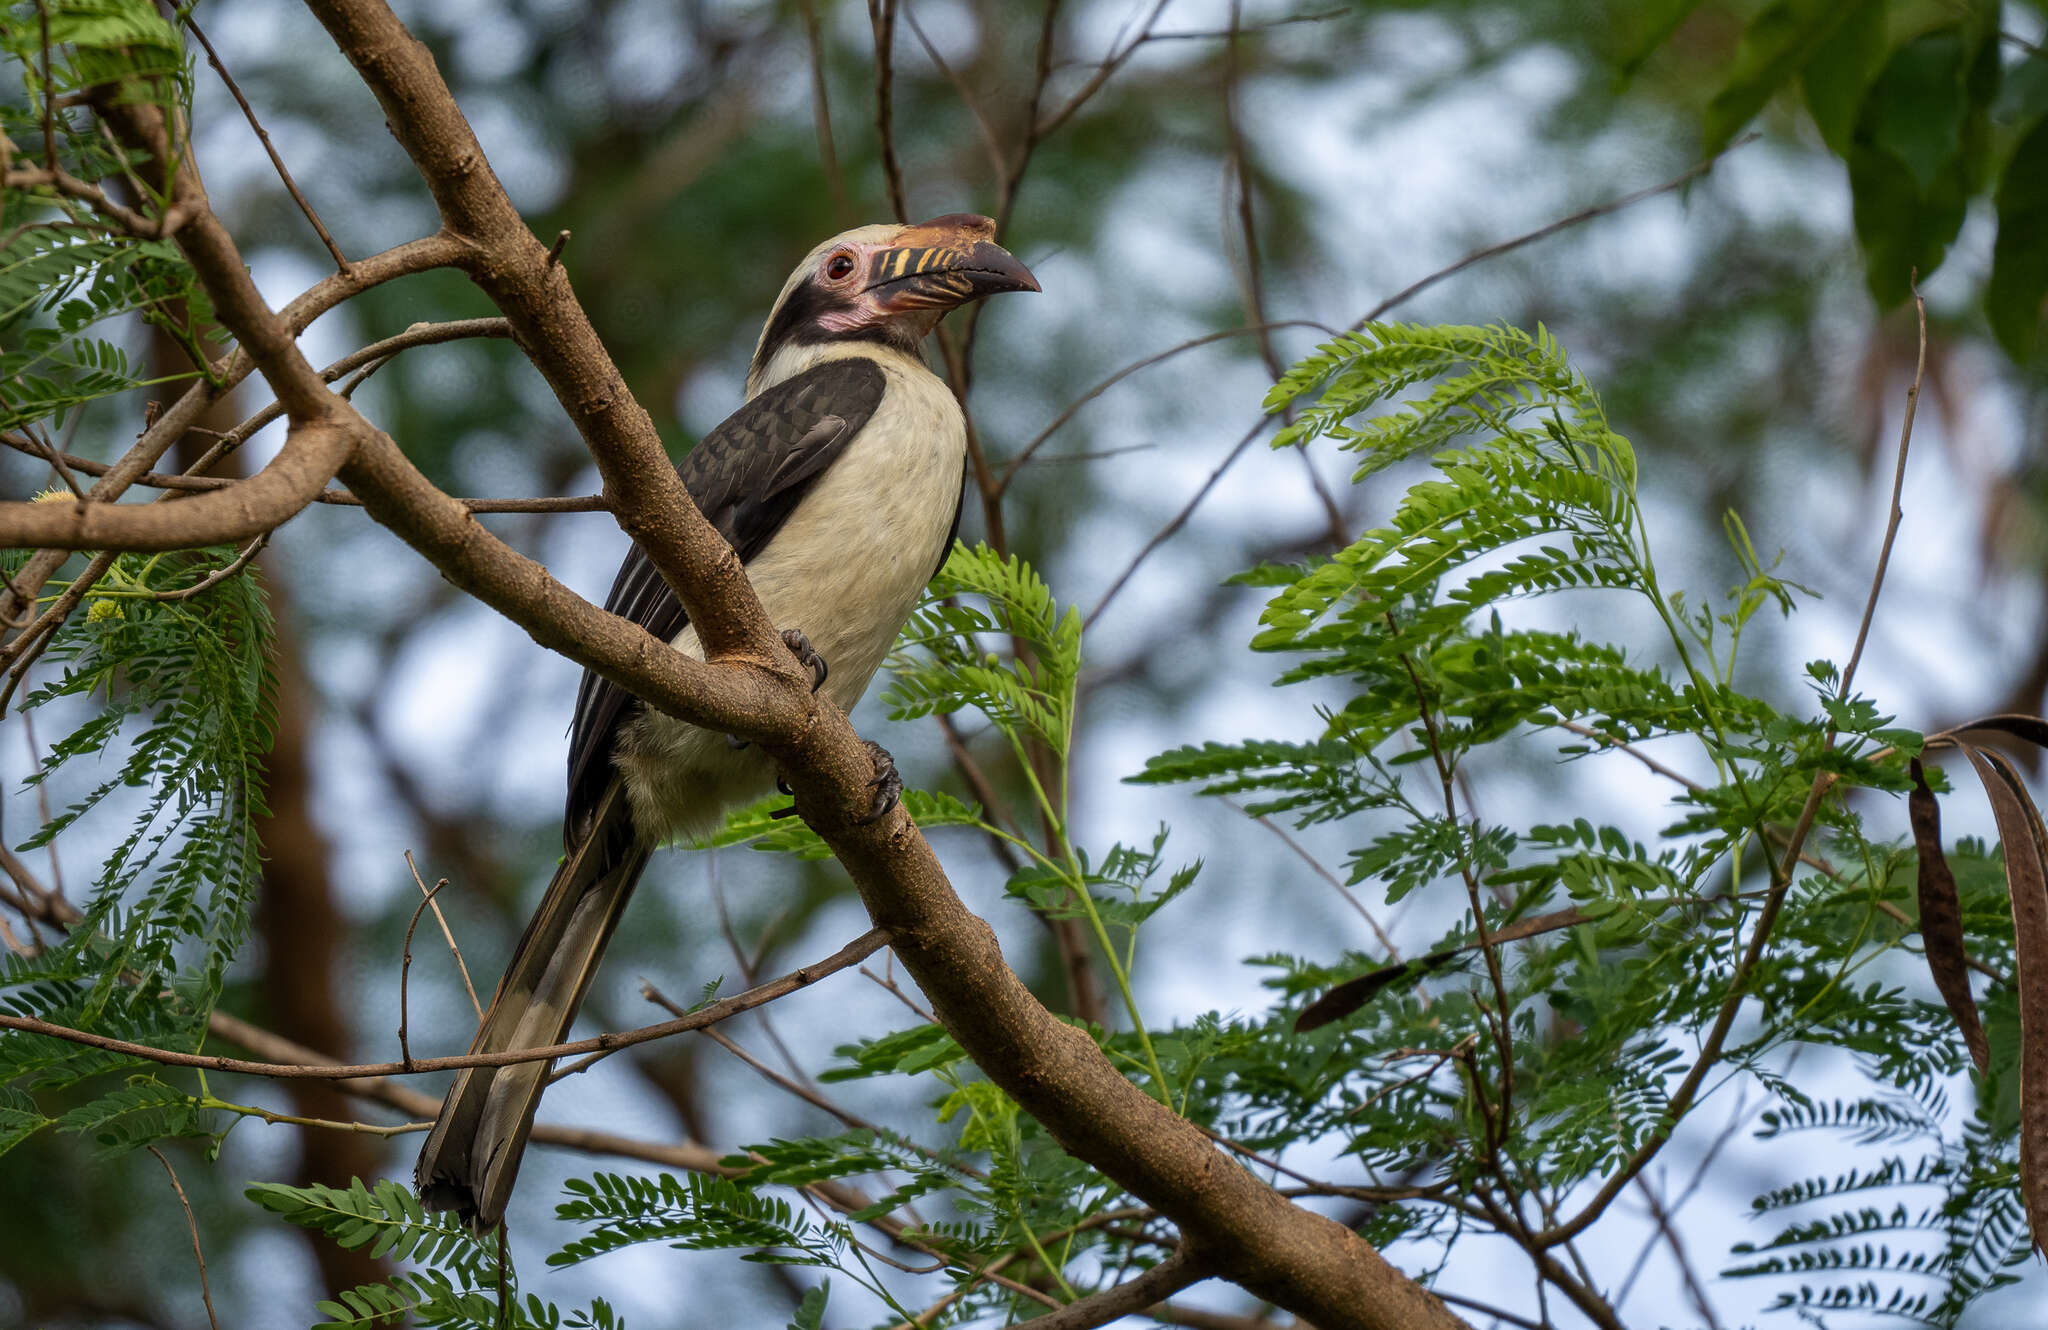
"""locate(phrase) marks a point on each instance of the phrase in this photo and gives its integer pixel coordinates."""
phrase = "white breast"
(846, 568)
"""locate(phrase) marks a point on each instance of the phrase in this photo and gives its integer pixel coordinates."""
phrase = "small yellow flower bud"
(55, 494)
(104, 608)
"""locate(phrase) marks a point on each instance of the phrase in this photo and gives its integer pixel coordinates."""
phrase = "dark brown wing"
(746, 477)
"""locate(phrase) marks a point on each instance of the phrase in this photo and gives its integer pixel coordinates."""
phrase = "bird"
(839, 483)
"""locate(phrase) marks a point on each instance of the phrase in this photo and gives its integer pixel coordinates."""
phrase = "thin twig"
(821, 115)
(405, 966)
(1408, 293)
(882, 19)
(851, 954)
(891, 986)
(1247, 29)
(49, 90)
(205, 1289)
(446, 932)
(1317, 866)
(1103, 72)
(249, 112)
(369, 358)
(962, 90)
(218, 575)
(1038, 440)
(162, 480)
(1897, 513)
(1400, 297)
(1670, 1235)
(1179, 520)
(1252, 271)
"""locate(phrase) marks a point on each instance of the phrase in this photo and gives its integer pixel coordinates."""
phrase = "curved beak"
(944, 263)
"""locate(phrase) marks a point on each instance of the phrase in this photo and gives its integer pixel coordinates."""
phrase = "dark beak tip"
(1010, 274)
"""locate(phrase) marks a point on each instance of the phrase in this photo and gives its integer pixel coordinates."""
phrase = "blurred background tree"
(1172, 172)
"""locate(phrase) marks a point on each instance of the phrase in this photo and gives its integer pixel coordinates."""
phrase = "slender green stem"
(1058, 1276)
(1077, 882)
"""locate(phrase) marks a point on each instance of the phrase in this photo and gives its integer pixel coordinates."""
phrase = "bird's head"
(889, 283)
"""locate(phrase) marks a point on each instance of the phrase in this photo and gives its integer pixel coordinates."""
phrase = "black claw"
(734, 742)
(888, 786)
(806, 655)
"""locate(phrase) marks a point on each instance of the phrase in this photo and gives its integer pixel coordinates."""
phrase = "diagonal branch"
(510, 265)
(852, 953)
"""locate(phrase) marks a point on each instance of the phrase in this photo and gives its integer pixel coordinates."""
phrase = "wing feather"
(746, 477)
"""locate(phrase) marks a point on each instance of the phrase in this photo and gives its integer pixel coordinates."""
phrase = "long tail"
(472, 1155)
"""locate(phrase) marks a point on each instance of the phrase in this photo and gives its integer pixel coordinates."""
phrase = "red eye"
(839, 267)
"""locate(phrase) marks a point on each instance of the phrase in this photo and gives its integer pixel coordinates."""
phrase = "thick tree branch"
(509, 263)
(312, 453)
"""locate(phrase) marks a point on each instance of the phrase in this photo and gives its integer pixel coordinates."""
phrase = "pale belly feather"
(846, 569)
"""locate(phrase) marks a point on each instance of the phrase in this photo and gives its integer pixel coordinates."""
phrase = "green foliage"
(759, 826)
(1429, 626)
(458, 1284)
(61, 270)
(1914, 99)
(183, 686)
(163, 689)
(1029, 696)
(1431, 631)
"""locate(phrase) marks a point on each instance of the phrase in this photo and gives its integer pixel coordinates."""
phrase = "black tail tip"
(441, 1194)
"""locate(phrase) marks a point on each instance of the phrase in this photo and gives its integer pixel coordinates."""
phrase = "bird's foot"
(806, 656)
(887, 785)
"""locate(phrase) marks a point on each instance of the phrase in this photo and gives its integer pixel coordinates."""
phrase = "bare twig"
(1401, 297)
(1248, 29)
(1038, 440)
(427, 899)
(218, 575)
(1500, 1314)
(1176, 522)
(405, 964)
(851, 954)
(821, 115)
(1693, 1287)
(964, 91)
(1111, 63)
(367, 360)
(249, 112)
(882, 18)
(1322, 871)
(1180, 1269)
(1408, 293)
(1896, 513)
(49, 89)
(890, 986)
(205, 1289)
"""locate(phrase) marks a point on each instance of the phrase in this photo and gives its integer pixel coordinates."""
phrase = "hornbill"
(839, 484)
